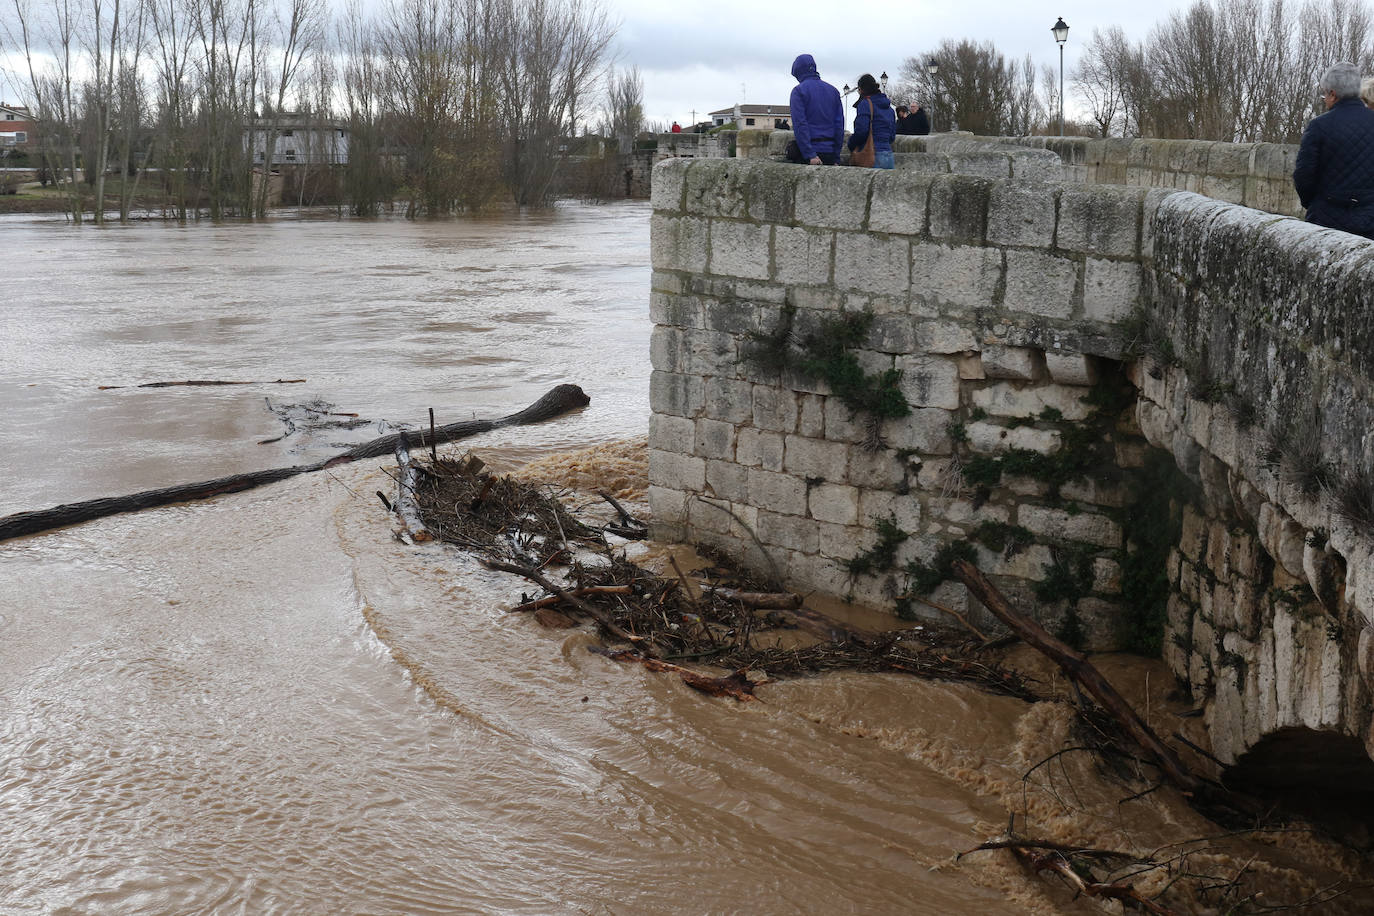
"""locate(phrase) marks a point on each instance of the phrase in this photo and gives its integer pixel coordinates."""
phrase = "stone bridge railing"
(1151, 413)
(1258, 175)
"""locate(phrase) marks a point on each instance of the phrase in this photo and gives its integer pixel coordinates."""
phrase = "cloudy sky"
(705, 55)
(709, 54)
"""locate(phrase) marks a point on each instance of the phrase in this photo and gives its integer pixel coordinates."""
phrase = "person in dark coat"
(1334, 176)
(917, 123)
(817, 115)
(873, 112)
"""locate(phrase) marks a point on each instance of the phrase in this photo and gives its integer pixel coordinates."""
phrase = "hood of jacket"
(804, 67)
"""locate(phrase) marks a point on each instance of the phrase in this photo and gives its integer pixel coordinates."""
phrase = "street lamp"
(1061, 35)
(933, 68)
(847, 89)
(883, 79)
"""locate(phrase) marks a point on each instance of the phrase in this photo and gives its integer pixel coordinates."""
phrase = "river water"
(265, 703)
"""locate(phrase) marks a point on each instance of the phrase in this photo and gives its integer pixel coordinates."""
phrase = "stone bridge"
(1150, 410)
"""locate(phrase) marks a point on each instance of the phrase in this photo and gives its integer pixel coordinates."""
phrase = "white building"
(753, 117)
(301, 140)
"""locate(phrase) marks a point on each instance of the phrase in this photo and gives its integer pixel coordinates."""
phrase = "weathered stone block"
(924, 430)
(674, 309)
(959, 208)
(899, 203)
(789, 532)
(990, 437)
(677, 472)
(728, 399)
(945, 337)
(774, 408)
(802, 255)
(676, 394)
(668, 182)
(880, 470)
(667, 505)
(711, 353)
(1040, 284)
(1022, 213)
(970, 366)
(1085, 527)
(1019, 363)
(720, 191)
(728, 480)
(667, 350)
(840, 542)
(731, 316)
(873, 263)
(1071, 368)
(782, 493)
(740, 249)
(811, 416)
(1006, 399)
(816, 458)
(958, 276)
(1111, 290)
(759, 448)
(929, 381)
(904, 510)
(956, 510)
(833, 198)
(892, 333)
(835, 503)
(678, 243)
(1100, 221)
(671, 434)
(714, 439)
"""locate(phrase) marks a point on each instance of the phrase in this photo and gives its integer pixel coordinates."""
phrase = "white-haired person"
(1334, 176)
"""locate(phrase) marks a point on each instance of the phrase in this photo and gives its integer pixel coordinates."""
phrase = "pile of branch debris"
(717, 616)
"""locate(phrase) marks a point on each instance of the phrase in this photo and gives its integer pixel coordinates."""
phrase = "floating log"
(1081, 672)
(764, 601)
(551, 600)
(558, 401)
(198, 381)
(736, 685)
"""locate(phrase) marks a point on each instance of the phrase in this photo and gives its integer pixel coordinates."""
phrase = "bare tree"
(298, 35)
(625, 106)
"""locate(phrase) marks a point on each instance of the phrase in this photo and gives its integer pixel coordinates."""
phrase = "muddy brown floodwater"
(266, 704)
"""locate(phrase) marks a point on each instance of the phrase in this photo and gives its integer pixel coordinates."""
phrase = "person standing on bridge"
(817, 116)
(873, 114)
(1334, 176)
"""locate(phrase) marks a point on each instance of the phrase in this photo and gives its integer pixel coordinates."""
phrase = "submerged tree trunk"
(560, 400)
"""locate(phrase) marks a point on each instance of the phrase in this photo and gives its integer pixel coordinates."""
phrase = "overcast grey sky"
(705, 55)
(709, 54)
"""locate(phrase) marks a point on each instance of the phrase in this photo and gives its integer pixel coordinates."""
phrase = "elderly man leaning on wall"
(1334, 176)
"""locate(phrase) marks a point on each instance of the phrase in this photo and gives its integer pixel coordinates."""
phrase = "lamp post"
(847, 89)
(933, 68)
(1061, 35)
(883, 79)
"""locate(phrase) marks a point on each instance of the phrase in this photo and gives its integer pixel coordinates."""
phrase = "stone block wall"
(997, 300)
(1018, 311)
(1258, 175)
(1257, 380)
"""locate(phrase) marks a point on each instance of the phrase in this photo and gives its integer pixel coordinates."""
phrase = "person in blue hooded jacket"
(817, 115)
(873, 112)
(1334, 175)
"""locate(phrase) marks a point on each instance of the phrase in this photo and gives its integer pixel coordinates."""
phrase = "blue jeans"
(883, 159)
